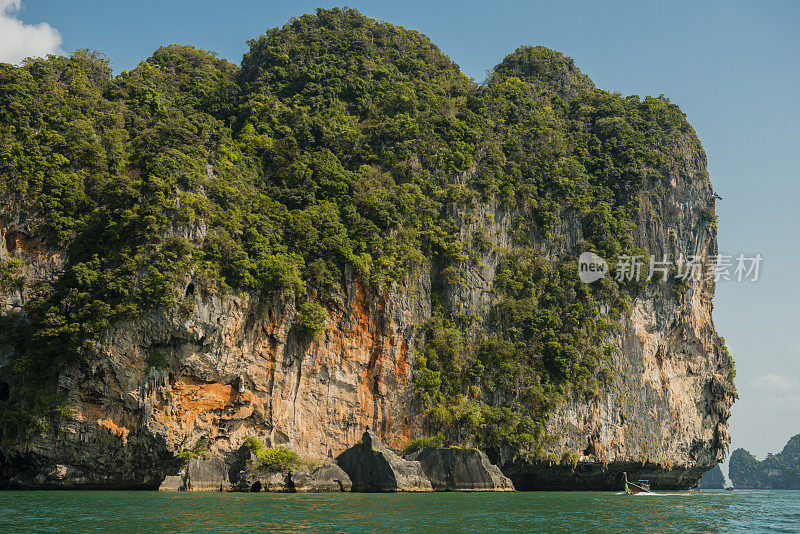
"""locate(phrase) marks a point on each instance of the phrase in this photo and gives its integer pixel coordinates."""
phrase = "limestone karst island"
(344, 265)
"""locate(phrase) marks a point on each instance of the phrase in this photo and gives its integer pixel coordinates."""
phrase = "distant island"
(713, 479)
(776, 471)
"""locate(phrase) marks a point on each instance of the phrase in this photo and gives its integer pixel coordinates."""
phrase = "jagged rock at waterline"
(374, 468)
(457, 469)
(320, 479)
(275, 481)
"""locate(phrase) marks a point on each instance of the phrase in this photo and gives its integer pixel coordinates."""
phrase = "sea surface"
(129, 511)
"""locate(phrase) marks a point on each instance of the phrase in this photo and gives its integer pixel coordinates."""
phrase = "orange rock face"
(237, 368)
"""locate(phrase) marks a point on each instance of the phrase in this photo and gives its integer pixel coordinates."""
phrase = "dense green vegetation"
(434, 442)
(201, 449)
(776, 471)
(545, 343)
(10, 276)
(339, 141)
(271, 459)
(310, 320)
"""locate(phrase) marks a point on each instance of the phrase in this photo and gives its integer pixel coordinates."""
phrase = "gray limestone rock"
(270, 481)
(172, 483)
(374, 468)
(207, 474)
(325, 478)
(460, 470)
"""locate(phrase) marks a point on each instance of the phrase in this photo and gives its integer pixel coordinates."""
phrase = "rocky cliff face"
(234, 366)
(664, 414)
(158, 266)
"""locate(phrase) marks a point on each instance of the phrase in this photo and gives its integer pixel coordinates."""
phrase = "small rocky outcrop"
(200, 474)
(236, 472)
(321, 479)
(209, 474)
(460, 470)
(173, 483)
(267, 481)
(325, 478)
(374, 468)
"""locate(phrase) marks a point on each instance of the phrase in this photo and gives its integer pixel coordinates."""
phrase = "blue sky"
(732, 66)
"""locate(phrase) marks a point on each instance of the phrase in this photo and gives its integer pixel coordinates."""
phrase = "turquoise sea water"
(128, 511)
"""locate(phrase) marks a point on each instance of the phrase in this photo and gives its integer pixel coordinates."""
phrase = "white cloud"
(19, 40)
(776, 384)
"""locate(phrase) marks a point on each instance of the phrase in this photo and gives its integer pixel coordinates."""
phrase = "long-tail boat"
(632, 488)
